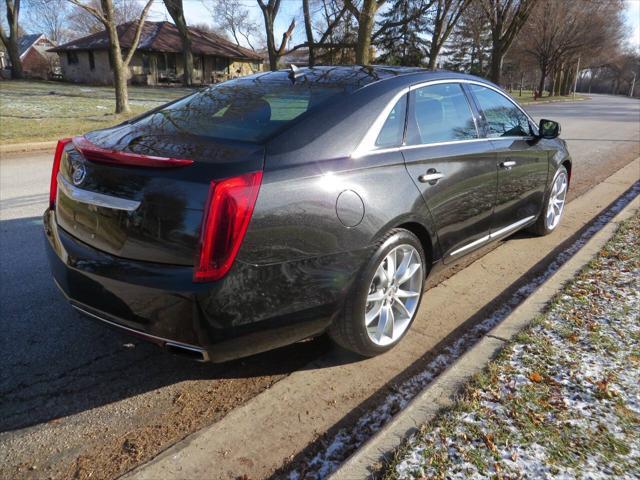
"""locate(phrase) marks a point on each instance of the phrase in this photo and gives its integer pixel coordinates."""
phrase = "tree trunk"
(309, 30)
(365, 29)
(495, 73)
(119, 69)
(271, 48)
(176, 10)
(543, 77)
(11, 43)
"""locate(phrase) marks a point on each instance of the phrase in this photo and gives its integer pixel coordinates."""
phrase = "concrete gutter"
(27, 147)
(442, 392)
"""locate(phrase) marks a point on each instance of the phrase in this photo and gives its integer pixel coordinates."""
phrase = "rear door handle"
(432, 176)
(507, 164)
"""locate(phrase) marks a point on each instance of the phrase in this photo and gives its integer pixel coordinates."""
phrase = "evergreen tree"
(400, 41)
(469, 48)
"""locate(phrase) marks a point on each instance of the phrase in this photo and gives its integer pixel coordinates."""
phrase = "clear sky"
(196, 12)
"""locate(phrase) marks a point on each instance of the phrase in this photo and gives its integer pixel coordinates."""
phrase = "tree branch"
(136, 38)
(93, 11)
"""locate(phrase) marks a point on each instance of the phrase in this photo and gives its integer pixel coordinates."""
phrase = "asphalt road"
(78, 399)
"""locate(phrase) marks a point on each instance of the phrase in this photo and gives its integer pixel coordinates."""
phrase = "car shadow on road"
(56, 362)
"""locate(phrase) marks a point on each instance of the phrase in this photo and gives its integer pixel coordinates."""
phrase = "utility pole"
(633, 85)
(575, 83)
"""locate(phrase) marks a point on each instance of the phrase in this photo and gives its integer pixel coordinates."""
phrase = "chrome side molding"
(95, 198)
(494, 235)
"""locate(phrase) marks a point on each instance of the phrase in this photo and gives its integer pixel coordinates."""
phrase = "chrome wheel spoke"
(403, 309)
(409, 273)
(376, 296)
(372, 314)
(556, 201)
(406, 293)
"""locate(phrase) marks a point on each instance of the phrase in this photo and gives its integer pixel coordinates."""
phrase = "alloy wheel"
(394, 295)
(556, 201)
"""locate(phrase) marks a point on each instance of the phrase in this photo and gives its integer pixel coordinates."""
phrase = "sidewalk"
(562, 399)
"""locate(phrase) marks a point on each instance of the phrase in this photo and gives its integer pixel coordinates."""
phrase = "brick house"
(37, 62)
(158, 58)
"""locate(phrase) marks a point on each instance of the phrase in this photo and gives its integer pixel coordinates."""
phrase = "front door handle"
(507, 164)
(432, 176)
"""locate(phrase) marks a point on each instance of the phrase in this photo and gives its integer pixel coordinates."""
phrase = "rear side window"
(244, 109)
(440, 113)
(392, 132)
(503, 117)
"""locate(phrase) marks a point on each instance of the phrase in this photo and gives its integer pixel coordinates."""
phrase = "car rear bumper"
(252, 310)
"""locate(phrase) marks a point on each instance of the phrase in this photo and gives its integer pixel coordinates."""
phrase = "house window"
(145, 63)
(92, 60)
(171, 62)
(162, 62)
(72, 58)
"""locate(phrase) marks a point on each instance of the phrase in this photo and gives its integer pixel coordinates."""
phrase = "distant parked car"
(273, 208)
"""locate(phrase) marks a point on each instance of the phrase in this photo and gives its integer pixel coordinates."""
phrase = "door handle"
(507, 164)
(432, 176)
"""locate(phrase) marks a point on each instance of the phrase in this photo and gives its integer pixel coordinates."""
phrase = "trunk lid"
(114, 197)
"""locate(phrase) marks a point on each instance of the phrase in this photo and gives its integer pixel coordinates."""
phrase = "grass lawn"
(561, 400)
(32, 111)
(527, 97)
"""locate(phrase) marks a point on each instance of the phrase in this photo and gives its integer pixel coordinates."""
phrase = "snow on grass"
(561, 401)
(349, 439)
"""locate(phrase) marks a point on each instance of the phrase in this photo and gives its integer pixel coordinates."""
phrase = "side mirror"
(549, 129)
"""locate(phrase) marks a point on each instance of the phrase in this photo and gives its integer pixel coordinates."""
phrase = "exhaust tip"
(192, 353)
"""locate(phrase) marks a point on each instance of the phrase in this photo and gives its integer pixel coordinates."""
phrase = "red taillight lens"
(53, 187)
(225, 221)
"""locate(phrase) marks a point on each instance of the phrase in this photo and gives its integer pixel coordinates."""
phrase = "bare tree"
(11, 42)
(269, 13)
(176, 10)
(231, 17)
(506, 18)
(80, 22)
(574, 30)
(107, 16)
(445, 15)
(50, 18)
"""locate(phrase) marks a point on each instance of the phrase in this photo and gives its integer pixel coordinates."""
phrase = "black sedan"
(273, 208)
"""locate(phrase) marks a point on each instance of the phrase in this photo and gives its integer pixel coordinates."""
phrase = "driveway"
(78, 399)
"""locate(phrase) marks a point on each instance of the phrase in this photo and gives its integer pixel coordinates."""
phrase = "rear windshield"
(244, 109)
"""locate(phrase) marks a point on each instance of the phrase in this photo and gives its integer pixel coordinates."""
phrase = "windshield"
(245, 109)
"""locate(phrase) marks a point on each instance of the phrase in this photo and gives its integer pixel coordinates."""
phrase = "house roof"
(163, 37)
(25, 42)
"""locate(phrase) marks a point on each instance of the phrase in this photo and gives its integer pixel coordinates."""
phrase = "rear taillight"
(225, 221)
(57, 158)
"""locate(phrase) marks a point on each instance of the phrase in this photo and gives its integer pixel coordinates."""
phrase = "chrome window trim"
(493, 236)
(367, 145)
(95, 198)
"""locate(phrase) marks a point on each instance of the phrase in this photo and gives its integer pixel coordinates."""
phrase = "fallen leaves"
(535, 377)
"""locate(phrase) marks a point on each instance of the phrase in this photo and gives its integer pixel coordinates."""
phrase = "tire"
(350, 329)
(543, 225)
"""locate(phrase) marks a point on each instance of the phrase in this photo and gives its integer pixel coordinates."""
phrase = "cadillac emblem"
(78, 172)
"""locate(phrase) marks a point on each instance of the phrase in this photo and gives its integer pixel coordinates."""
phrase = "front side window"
(392, 132)
(440, 113)
(503, 117)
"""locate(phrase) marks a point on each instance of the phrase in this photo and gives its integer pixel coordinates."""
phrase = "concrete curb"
(563, 100)
(27, 147)
(365, 462)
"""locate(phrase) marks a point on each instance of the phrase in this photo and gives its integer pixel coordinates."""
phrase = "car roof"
(354, 77)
